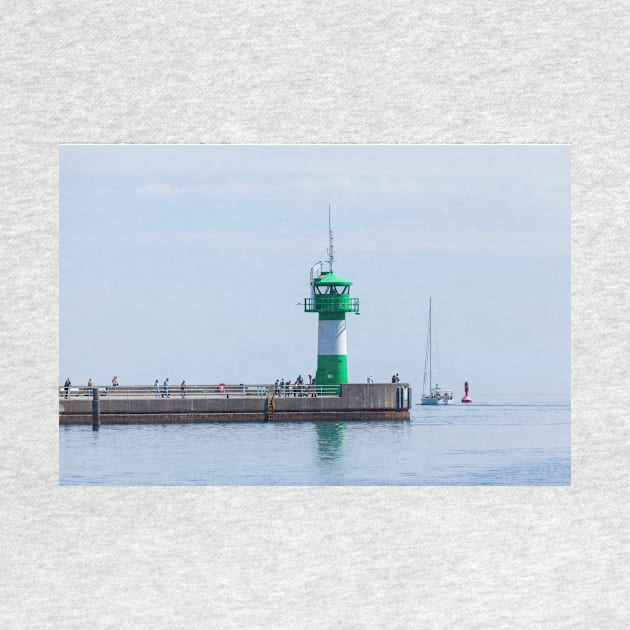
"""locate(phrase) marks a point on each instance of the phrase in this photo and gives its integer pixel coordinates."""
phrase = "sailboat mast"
(430, 366)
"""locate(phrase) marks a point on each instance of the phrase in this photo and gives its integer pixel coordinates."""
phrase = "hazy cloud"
(300, 185)
(157, 190)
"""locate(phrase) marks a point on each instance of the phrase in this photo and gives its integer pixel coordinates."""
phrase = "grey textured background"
(277, 72)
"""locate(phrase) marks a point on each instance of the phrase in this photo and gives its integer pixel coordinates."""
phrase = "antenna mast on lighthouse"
(331, 255)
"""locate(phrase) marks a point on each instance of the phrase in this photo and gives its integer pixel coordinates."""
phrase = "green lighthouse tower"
(330, 297)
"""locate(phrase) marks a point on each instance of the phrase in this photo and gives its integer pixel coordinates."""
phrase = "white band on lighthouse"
(332, 337)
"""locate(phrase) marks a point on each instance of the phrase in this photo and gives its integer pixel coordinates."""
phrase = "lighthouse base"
(332, 369)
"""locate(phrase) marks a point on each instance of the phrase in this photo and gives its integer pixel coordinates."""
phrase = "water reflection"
(527, 445)
(331, 437)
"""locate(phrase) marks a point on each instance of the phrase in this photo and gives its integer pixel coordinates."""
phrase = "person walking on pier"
(182, 388)
(156, 388)
(165, 393)
(90, 386)
(66, 387)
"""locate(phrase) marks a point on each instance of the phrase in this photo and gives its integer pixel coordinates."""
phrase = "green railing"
(331, 304)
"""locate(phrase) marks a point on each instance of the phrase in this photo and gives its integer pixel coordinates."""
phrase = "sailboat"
(432, 395)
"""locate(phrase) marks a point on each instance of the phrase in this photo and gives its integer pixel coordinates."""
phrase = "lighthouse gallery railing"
(331, 304)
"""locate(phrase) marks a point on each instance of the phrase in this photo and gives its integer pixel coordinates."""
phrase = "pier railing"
(219, 390)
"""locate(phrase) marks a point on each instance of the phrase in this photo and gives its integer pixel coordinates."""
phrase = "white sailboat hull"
(430, 400)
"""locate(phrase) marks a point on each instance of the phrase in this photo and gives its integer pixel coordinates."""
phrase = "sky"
(190, 262)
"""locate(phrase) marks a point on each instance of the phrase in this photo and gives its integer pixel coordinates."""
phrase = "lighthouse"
(330, 297)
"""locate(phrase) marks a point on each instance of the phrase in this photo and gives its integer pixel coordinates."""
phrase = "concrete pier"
(366, 402)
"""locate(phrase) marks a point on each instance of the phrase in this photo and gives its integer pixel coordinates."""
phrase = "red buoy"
(466, 398)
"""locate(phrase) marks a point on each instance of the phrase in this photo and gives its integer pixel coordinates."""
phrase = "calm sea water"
(480, 444)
